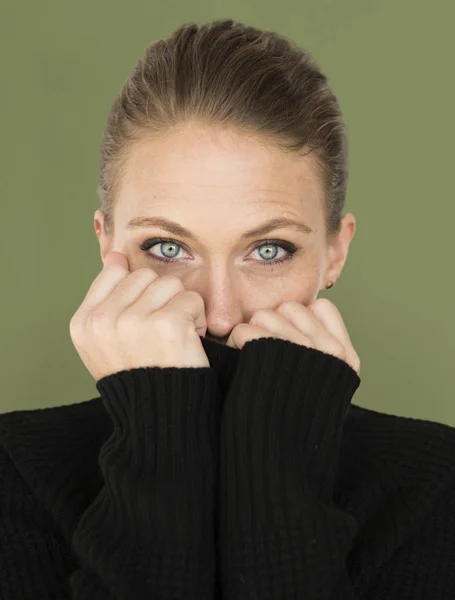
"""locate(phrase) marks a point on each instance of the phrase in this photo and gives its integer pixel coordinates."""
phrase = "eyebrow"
(176, 229)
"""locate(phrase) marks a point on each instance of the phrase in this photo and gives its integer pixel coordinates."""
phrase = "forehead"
(211, 169)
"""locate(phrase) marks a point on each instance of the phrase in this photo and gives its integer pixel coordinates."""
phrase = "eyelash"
(290, 248)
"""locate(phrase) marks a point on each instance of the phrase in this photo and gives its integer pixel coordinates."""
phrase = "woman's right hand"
(138, 319)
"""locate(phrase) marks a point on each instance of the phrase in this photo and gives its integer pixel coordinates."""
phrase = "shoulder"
(394, 469)
(17, 500)
(45, 450)
(406, 442)
(420, 450)
(51, 430)
(397, 478)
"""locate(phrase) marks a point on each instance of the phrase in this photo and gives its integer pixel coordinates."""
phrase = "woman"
(224, 457)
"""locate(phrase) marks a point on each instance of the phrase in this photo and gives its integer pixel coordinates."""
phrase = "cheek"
(301, 287)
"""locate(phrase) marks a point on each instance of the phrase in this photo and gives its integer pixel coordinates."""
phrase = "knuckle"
(196, 296)
(164, 321)
(337, 348)
(173, 280)
(116, 267)
(239, 328)
(289, 304)
(99, 319)
(288, 308)
(129, 319)
(356, 363)
(260, 314)
(143, 272)
(75, 326)
(324, 301)
(324, 304)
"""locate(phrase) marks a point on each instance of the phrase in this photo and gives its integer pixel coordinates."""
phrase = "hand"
(318, 325)
(137, 319)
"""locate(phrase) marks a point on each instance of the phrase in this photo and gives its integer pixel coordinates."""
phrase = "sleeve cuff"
(281, 429)
(165, 440)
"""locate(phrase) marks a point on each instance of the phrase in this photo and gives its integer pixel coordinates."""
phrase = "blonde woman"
(224, 457)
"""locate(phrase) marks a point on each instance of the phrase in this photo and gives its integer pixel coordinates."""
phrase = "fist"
(136, 319)
(318, 325)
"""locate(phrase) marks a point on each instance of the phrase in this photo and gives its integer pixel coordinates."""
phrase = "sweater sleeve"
(150, 533)
(281, 534)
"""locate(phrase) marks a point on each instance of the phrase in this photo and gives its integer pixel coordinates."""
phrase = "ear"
(105, 241)
(338, 248)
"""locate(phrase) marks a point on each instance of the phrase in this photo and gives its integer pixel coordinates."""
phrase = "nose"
(223, 304)
(220, 323)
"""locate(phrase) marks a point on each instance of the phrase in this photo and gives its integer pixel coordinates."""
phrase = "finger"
(283, 327)
(99, 290)
(113, 257)
(305, 321)
(191, 305)
(128, 292)
(330, 317)
(115, 269)
(152, 295)
(243, 333)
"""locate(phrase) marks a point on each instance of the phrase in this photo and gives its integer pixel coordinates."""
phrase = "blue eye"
(286, 246)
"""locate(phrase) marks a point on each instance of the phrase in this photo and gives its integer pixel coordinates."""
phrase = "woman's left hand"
(318, 325)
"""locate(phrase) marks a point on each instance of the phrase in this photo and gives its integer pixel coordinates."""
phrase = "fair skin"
(218, 184)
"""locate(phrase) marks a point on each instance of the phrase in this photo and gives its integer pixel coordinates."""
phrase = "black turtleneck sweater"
(255, 478)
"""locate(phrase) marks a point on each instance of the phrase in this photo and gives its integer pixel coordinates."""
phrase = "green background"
(390, 64)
